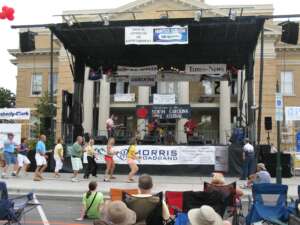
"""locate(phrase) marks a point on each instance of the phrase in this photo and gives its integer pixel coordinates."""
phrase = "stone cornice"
(44, 51)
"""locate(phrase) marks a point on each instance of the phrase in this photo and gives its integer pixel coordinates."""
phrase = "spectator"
(23, 161)
(92, 165)
(189, 128)
(262, 176)
(40, 158)
(146, 202)
(248, 159)
(92, 202)
(205, 215)
(9, 155)
(58, 157)
(76, 154)
(117, 213)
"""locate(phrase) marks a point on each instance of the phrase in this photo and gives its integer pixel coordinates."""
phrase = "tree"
(7, 98)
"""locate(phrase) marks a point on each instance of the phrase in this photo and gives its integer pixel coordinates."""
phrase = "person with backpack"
(132, 157)
(92, 202)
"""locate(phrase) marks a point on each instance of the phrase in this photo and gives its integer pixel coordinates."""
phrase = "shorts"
(108, 158)
(131, 161)
(40, 160)
(76, 164)
(22, 159)
(9, 158)
(58, 164)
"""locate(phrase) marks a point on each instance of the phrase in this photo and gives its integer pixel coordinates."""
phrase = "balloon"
(142, 113)
(2, 15)
(10, 17)
(4, 8)
(9, 12)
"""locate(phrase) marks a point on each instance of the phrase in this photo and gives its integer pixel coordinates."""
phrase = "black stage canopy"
(211, 40)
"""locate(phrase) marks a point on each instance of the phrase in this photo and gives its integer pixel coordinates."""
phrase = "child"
(132, 157)
(110, 163)
(58, 157)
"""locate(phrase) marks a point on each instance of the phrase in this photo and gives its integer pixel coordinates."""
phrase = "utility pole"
(51, 86)
(278, 160)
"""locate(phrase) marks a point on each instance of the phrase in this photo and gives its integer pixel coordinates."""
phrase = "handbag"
(86, 211)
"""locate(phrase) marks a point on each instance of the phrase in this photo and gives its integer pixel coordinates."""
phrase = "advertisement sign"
(279, 107)
(292, 113)
(6, 128)
(124, 98)
(166, 99)
(142, 80)
(156, 35)
(170, 111)
(15, 114)
(137, 71)
(205, 69)
(163, 155)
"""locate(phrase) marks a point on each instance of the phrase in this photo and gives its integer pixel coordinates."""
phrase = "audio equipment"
(290, 31)
(268, 123)
(27, 42)
(100, 140)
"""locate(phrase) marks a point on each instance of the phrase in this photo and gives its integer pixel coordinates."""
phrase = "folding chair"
(117, 194)
(13, 210)
(269, 204)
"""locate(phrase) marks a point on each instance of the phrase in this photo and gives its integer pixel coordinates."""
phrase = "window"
(36, 84)
(119, 88)
(55, 77)
(287, 83)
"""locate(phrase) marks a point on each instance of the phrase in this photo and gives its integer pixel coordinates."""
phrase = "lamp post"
(51, 86)
(278, 160)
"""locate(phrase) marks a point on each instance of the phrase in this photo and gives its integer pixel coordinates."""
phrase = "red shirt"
(190, 126)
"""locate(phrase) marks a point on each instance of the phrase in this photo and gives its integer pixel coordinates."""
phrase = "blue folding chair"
(12, 210)
(269, 204)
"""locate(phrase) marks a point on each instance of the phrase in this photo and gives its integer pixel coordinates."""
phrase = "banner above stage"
(156, 35)
(15, 114)
(206, 69)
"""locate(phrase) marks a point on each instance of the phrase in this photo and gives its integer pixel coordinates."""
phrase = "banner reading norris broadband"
(164, 155)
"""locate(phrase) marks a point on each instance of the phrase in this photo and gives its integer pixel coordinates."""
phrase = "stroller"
(13, 210)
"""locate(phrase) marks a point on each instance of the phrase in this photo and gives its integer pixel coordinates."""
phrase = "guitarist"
(189, 128)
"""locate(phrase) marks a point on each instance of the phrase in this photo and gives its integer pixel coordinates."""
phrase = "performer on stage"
(110, 126)
(189, 128)
(110, 163)
(132, 157)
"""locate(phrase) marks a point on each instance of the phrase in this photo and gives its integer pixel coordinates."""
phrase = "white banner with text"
(15, 114)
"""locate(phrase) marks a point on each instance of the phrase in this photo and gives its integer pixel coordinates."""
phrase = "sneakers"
(106, 180)
(13, 174)
(74, 179)
(4, 176)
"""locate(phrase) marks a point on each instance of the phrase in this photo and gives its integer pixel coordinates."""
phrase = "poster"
(170, 111)
(124, 98)
(6, 128)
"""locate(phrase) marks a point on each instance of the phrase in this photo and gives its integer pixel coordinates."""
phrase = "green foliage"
(7, 98)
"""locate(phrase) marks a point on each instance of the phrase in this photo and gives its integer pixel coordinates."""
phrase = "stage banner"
(15, 114)
(166, 99)
(163, 155)
(142, 80)
(137, 71)
(156, 35)
(124, 97)
(170, 111)
(205, 69)
(292, 113)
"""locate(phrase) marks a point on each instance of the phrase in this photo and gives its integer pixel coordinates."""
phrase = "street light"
(278, 160)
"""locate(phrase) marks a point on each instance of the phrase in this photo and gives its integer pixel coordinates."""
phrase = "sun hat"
(117, 213)
(261, 166)
(205, 215)
(218, 178)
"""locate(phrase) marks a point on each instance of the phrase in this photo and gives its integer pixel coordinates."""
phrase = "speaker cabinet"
(290, 31)
(268, 123)
(100, 140)
(27, 42)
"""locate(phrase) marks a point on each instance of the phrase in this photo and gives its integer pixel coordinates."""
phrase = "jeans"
(248, 165)
(10, 158)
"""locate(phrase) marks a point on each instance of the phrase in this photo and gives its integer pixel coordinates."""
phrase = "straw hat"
(218, 178)
(206, 215)
(261, 166)
(117, 213)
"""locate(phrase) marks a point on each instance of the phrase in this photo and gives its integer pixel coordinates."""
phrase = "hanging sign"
(142, 80)
(156, 35)
(279, 107)
(124, 97)
(15, 114)
(166, 99)
(205, 69)
(170, 111)
(137, 71)
(168, 76)
(292, 113)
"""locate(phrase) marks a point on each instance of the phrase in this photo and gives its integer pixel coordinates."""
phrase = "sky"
(42, 11)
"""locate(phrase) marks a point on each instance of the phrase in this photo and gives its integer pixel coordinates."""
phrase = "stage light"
(232, 14)
(106, 20)
(198, 15)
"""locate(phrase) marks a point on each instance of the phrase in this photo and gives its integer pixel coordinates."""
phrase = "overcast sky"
(42, 11)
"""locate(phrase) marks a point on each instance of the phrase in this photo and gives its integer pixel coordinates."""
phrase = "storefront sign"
(124, 98)
(205, 69)
(164, 155)
(142, 80)
(160, 35)
(137, 71)
(15, 114)
(167, 99)
(170, 111)
(292, 113)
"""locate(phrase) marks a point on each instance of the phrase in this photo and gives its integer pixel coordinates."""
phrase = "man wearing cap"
(9, 155)
(248, 159)
(262, 176)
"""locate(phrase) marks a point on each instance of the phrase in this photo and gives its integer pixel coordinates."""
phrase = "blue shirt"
(9, 146)
(263, 177)
(40, 147)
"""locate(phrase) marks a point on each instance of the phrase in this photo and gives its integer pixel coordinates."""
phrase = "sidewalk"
(63, 187)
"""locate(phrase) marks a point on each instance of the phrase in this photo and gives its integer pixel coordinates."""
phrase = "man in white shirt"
(248, 159)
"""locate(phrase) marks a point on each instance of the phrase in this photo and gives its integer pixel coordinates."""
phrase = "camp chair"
(117, 194)
(269, 204)
(231, 200)
(13, 210)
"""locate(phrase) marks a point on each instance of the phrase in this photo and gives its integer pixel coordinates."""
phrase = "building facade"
(216, 105)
